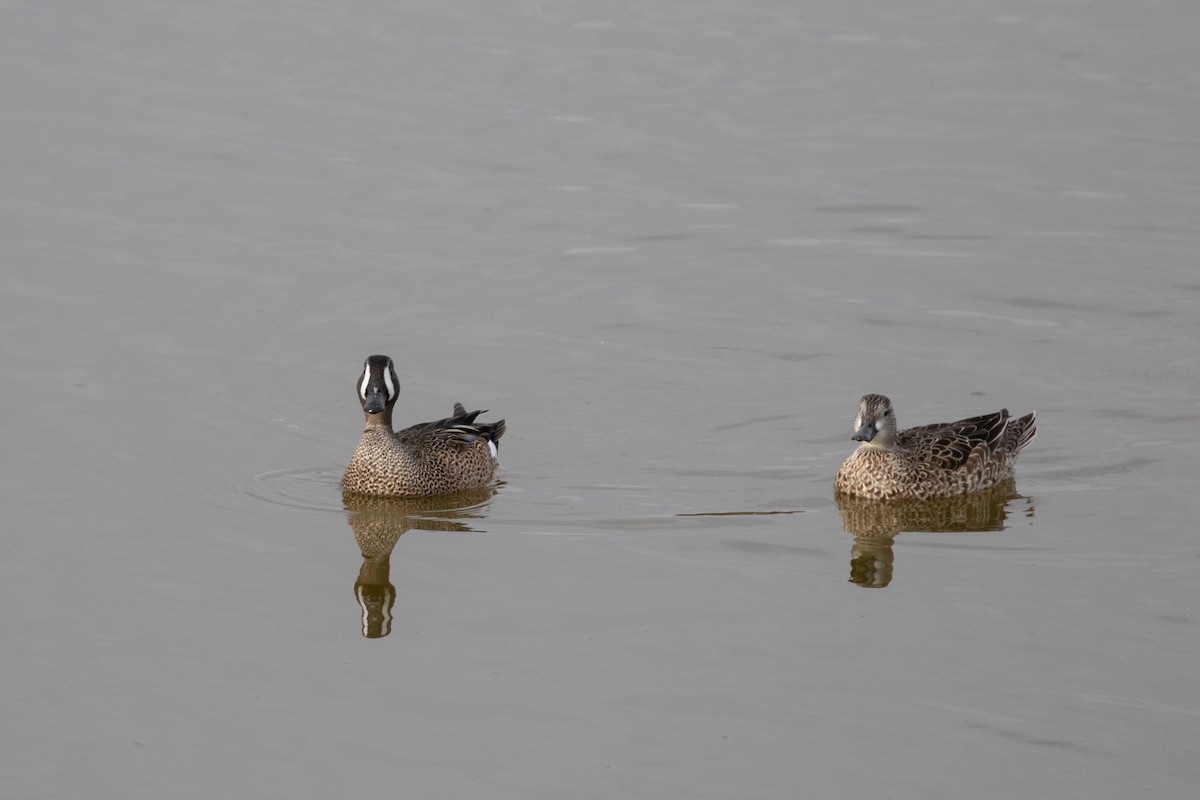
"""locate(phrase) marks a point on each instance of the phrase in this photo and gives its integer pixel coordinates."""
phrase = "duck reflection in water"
(874, 524)
(379, 522)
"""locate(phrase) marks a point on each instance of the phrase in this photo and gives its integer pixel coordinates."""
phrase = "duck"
(944, 459)
(430, 458)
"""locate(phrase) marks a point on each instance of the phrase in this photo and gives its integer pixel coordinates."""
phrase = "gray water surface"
(672, 244)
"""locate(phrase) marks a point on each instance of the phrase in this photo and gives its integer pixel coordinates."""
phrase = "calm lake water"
(672, 244)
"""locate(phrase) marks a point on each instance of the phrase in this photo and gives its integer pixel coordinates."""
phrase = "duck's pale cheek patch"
(390, 384)
(362, 385)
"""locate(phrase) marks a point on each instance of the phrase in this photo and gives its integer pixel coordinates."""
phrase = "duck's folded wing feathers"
(949, 445)
(460, 430)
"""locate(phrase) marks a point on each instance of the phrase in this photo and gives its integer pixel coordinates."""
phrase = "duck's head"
(876, 422)
(378, 389)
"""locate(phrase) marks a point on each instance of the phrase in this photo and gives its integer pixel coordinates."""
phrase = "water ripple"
(313, 489)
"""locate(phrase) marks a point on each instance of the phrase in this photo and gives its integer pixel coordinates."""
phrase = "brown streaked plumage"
(939, 460)
(447, 455)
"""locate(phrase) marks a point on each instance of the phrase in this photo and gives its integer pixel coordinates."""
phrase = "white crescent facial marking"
(366, 380)
(387, 381)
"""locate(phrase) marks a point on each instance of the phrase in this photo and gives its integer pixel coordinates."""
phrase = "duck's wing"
(949, 445)
(459, 431)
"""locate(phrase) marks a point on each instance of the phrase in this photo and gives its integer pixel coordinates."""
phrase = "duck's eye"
(887, 413)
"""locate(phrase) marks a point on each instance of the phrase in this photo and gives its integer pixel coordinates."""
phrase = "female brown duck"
(939, 460)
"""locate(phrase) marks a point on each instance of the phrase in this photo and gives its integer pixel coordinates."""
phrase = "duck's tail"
(1024, 429)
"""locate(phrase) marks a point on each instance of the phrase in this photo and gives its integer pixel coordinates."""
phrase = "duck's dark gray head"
(876, 422)
(378, 386)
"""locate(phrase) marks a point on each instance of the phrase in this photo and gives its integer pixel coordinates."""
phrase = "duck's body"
(939, 460)
(448, 455)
